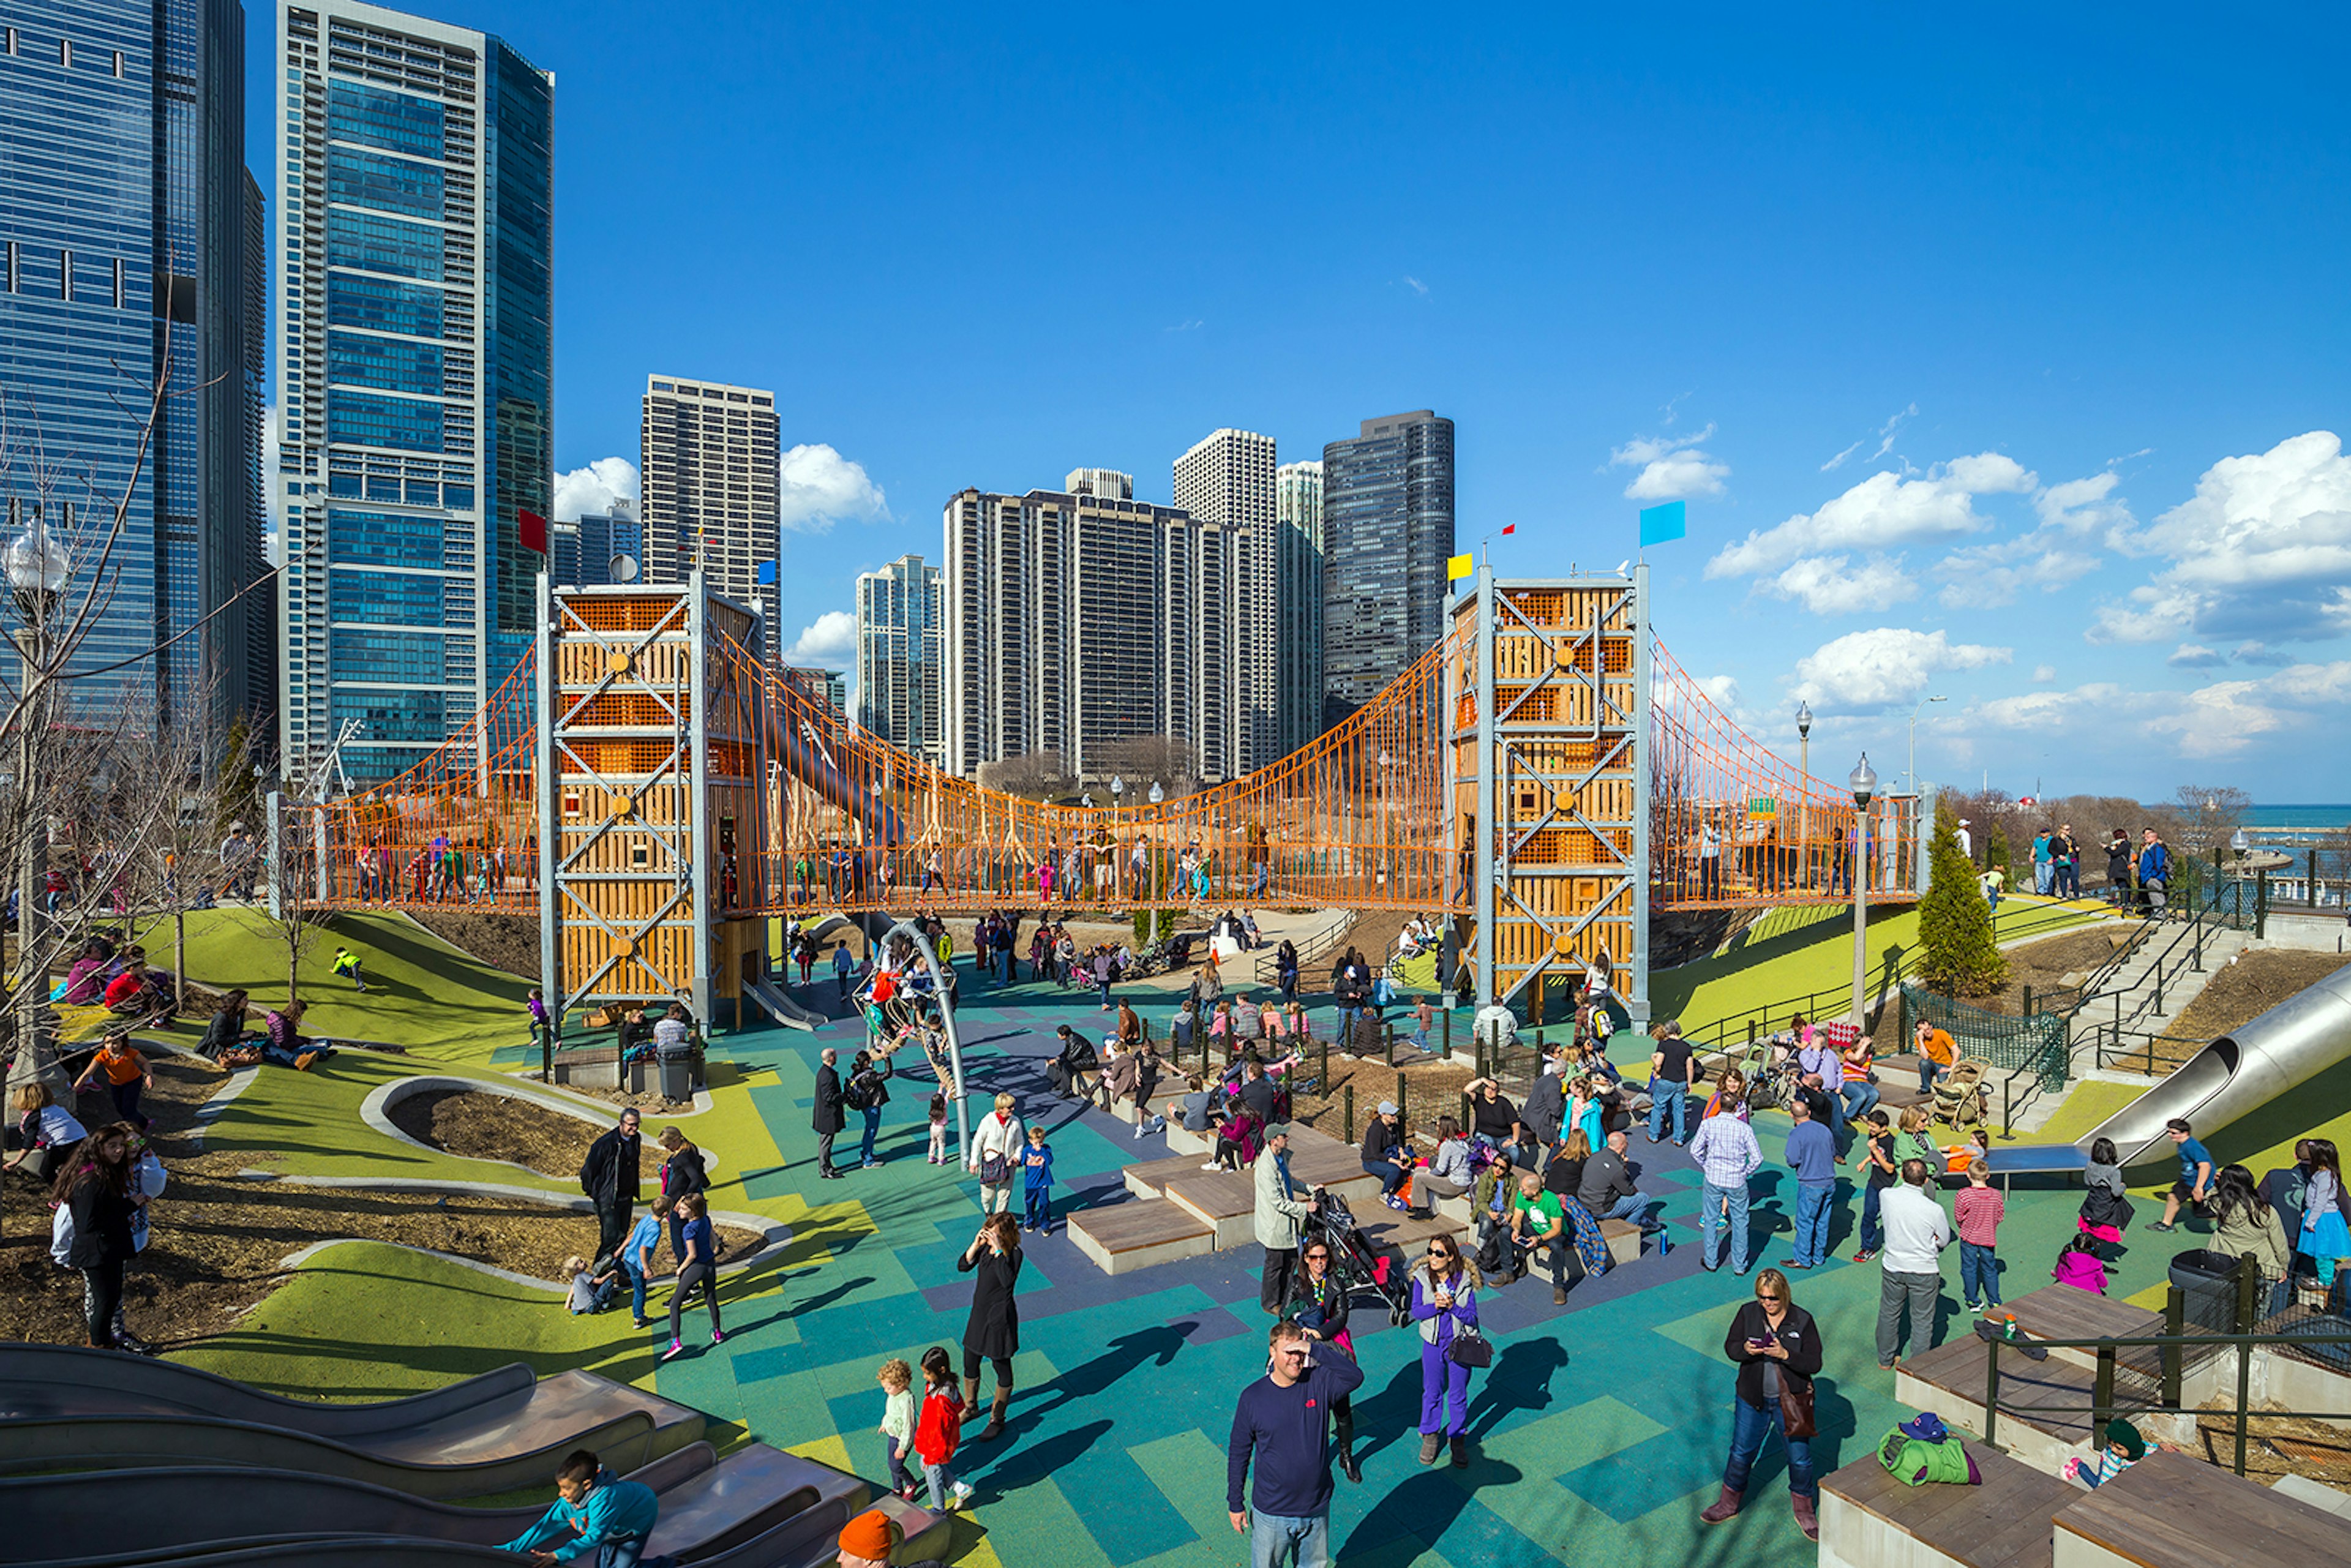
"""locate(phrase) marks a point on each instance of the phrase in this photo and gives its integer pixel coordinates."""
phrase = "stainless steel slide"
(120, 1417)
(757, 1506)
(63, 1380)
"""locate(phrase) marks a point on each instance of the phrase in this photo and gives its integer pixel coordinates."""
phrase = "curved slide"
(65, 1414)
(757, 1507)
(2238, 1073)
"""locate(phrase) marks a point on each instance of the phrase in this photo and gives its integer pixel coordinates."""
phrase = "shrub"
(1955, 930)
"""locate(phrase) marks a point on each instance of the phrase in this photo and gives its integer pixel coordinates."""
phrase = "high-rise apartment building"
(1076, 620)
(1227, 478)
(415, 228)
(1298, 605)
(710, 489)
(1107, 482)
(131, 254)
(902, 657)
(1387, 531)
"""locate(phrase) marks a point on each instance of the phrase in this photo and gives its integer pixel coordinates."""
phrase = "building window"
(12, 40)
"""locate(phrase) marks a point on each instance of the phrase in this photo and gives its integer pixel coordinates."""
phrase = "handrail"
(1314, 948)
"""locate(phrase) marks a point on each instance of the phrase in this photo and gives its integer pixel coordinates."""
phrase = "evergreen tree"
(1954, 922)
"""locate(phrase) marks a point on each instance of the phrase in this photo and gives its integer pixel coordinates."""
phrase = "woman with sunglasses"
(1318, 1303)
(1445, 1305)
(1778, 1350)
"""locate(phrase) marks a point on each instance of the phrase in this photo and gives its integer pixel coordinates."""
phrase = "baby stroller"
(1358, 1267)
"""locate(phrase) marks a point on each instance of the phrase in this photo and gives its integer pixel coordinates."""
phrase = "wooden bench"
(1624, 1238)
(1225, 1201)
(1870, 1519)
(1950, 1381)
(1124, 1237)
(2171, 1511)
(2062, 1312)
(1149, 1178)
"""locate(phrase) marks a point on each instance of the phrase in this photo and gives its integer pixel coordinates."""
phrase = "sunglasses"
(1769, 1296)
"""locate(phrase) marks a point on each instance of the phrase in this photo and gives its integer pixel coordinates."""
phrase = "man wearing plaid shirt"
(1727, 1152)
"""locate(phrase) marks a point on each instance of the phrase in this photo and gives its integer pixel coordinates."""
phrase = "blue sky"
(2000, 356)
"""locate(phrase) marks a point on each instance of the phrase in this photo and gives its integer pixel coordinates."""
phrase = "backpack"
(1913, 1462)
(1489, 1253)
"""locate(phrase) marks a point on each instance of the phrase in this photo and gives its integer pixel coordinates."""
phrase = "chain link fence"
(2036, 1044)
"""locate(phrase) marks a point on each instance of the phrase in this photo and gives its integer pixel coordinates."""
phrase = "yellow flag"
(1459, 566)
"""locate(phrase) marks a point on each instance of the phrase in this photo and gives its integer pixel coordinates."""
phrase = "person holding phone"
(1445, 1305)
(1777, 1348)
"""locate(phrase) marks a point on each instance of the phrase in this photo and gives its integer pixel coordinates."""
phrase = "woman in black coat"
(1778, 1349)
(993, 1331)
(95, 1187)
(684, 1171)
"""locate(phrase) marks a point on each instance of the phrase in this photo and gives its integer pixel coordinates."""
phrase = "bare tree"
(2207, 815)
(1037, 775)
(1145, 760)
(293, 912)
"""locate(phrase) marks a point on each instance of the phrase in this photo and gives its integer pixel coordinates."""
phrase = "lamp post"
(1914, 739)
(1804, 785)
(38, 569)
(1864, 785)
(1386, 762)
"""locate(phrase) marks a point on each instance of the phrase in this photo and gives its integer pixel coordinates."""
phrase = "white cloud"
(2264, 546)
(2044, 673)
(1672, 468)
(1721, 690)
(1824, 585)
(1884, 441)
(1191, 324)
(817, 488)
(1882, 668)
(591, 491)
(2084, 507)
(1416, 285)
(1883, 511)
(2260, 653)
(2196, 656)
(2219, 720)
(828, 642)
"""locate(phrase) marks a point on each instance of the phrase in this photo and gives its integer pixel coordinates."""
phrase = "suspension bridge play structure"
(1542, 781)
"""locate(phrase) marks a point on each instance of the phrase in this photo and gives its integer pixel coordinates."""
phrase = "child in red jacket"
(939, 1431)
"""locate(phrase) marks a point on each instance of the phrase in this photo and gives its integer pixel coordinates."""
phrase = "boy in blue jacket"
(595, 1510)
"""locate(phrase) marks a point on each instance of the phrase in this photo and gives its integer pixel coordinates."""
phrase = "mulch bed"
(2275, 1445)
(479, 1126)
(2044, 964)
(508, 942)
(218, 1238)
(2259, 980)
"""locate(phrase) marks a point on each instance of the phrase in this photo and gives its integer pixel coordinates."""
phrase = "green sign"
(1762, 805)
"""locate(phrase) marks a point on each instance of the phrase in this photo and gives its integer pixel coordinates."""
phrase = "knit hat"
(2121, 1431)
(870, 1535)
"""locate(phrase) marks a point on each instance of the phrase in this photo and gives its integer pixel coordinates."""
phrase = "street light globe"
(1157, 794)
(1803, 721)
(36, 563)
(1864, 781)
(2237, 841)
(1117, 784)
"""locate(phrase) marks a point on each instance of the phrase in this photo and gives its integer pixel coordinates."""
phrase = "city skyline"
(1967, 471)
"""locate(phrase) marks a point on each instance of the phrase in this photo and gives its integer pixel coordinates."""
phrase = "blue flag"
(766, 572)
(1658, 524)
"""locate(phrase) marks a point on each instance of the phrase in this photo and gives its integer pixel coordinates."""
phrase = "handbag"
(995, 1170)
(1469, 1348)
(1796, 1405)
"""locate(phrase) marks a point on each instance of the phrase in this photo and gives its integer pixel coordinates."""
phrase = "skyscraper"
(1227, 478)
(1298, 605)
(1387, 531)
(1075, 621)
(580, 553)
(901, 656)
(710, 489)
(131, 254)
(1107, 482)
(414, 232)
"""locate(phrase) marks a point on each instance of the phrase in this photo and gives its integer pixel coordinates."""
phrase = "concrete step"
(1870, 1520)
(1950, 1381)
(1121, 1237)
(1225, 1201)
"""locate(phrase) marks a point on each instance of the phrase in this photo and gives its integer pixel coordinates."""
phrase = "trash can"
(2207, 1283)
(677, 1069)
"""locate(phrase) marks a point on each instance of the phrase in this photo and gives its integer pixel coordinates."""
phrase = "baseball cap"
(1279, 1130)
(1387, 1108)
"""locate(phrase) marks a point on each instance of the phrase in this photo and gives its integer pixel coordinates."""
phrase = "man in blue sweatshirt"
(595, 1512)
(1811, 1155)
(1285, 1419)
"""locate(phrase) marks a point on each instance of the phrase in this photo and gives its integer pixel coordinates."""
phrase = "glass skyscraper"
(132, 256)
(1298, 604)
(902, 657)
(415, 225)
(1387, 530)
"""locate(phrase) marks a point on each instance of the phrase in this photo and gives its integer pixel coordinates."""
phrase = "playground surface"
(1599, 1432)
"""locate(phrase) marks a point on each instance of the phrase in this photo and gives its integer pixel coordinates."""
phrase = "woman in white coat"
(995, 1148)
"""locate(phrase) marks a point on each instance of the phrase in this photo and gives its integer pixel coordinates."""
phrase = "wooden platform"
(1150, 1177)
(1869, 1519)
(1406, 1236)
(1122, 1236)
(2171, 1511)
(1225, 1201)
(1314, 1159)
(2061, 1312)
(1950, 1381)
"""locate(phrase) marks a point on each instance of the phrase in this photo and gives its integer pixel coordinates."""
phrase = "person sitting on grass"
(226, 1031)
(284, 1046)
(590, 1292)
(139, 994)
(597, 1517)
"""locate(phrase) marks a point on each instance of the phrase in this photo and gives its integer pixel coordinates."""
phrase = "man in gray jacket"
(1608, 1191)
(1280, 1210)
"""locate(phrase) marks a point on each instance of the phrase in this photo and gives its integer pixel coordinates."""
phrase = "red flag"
(533, 528)
(1509, 528)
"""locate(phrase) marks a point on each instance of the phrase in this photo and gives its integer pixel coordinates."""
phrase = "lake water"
(2298, 816)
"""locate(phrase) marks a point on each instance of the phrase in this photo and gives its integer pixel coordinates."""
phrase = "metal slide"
(2235, 1075)
(757, 1508)
(126, 1417)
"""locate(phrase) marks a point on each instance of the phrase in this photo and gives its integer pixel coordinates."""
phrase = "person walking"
(830, 1115)
(696, 1249)
(684, 1171)
(1280, 1210)
(992, 1332)
(94, 1187)
(1777, 1348)
(610, 1178)
(1672, 1065)
(1281, 1422)
(1727, 1153)
(868, 1091)
(995, 1154)
(1911, 1268)
(1445, 1305)
(1811, 1155)
(1318, 1303)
